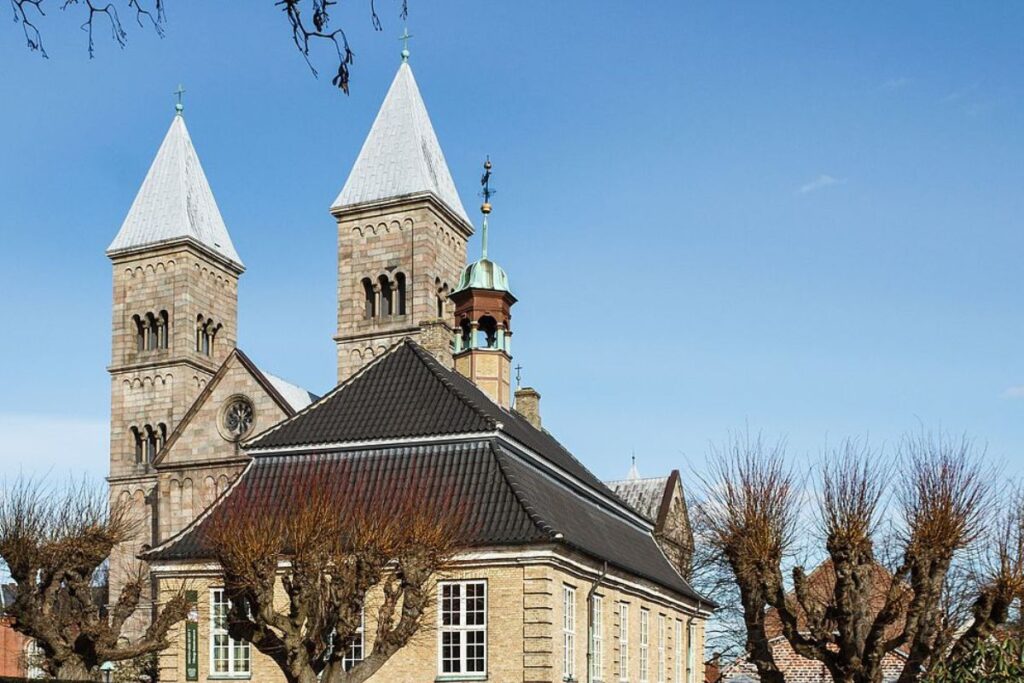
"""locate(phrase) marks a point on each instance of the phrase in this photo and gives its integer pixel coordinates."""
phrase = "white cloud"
(895, 84)
(1014, 392)
(822, 181)
(55, 446)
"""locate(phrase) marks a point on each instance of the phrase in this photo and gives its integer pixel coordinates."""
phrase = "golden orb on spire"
(485, 207)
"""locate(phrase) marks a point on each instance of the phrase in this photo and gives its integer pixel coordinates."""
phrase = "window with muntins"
(462, 632)
(645, 634)
(677, 659)
(354, 654)
(623, 642)
(568, 633)
(596, 639)
(691, 670)
(661, 648)
(228, 657)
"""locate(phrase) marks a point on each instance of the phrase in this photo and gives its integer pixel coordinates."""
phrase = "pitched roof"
(296, 397)
(401, 156)
(406, 394)
(643, 495)
(507, 501)
(175, 202)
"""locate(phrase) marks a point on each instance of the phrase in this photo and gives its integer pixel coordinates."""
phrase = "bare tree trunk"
(73, 670)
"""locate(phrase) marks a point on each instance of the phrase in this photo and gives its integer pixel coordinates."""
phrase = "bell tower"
(175, 302)
(402, 231)
(483, 318)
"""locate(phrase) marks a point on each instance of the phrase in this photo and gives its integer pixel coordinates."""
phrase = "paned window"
(568, 633)
(645, 635)
(354, 655)
(691, 670)
(661, 648)
(463, 628)
(677, 659)
(597, 639)
(623, 641)
(228, 657)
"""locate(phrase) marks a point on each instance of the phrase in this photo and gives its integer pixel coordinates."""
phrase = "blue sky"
(804, 217)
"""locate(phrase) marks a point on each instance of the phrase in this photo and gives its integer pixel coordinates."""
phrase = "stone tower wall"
(415, 238)
(157, 386)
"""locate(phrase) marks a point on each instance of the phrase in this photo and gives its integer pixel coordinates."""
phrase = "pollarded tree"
(298, 570)
(854, 611)
(54, 543)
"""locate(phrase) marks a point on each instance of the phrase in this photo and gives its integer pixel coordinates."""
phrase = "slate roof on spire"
(175, 202)
(401, 156)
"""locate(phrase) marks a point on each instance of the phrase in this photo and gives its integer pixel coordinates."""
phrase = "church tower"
(175, 301)
(483, 318)
(402, 231)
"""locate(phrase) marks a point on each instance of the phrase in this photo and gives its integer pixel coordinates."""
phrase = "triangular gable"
(196, 437)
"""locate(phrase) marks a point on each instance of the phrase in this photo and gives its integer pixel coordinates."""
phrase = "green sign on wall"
(192, 637)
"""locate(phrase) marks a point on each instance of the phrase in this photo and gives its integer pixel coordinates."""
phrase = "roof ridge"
(519, 492)
(429, 361)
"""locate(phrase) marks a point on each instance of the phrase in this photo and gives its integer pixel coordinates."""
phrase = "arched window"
(439, 296)
(370, 298)
(200, 322)
(487, 333)
(140, 333)
(152, 333)
(140, 454)
(400, 293)
(164, 322)
(386, 297)
(151, 443)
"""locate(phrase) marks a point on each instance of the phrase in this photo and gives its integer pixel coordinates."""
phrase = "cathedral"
(567, 578)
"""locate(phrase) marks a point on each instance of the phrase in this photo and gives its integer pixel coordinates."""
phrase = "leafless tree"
(308, 20)
(852, 611)
(53, 542)
(337, 538)
(749, 518)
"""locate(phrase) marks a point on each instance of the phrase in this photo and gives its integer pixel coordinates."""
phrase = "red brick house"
(13, 645)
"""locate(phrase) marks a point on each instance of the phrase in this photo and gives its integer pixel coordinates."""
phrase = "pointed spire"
(401, 156)
(634, 473)
(175, 202)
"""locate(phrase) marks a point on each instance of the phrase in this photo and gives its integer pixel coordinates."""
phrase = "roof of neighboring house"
(821, 583)
(643, 495)
(296, 397)
(406, 418)
(401, 155)
(175, 202)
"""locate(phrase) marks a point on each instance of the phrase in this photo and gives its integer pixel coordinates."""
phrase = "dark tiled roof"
(592, 529)
(507, 501)
(467, 474)
(405, 394)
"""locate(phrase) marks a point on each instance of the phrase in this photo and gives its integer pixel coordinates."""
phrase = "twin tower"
(402, 272)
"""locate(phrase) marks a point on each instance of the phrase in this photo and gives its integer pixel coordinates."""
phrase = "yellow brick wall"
(524, 631)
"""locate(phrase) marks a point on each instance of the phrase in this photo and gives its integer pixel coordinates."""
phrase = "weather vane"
(485, 208)
(519, 376)
(180, 92)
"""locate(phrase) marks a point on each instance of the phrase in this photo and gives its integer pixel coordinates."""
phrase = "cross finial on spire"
(519, 376)
(634, 474)
(180, 92)
(405, 43)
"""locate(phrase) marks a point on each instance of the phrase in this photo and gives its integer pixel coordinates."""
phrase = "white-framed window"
(568, 633)
(623, 641)
(661, 648)
(691, 669)
(597, 638)
(462, 632)
(645, 641)
(355, 653)
(228, 657)
(677, 658)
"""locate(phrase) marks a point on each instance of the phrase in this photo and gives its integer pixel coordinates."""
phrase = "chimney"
(528, 405)
(436, 339)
